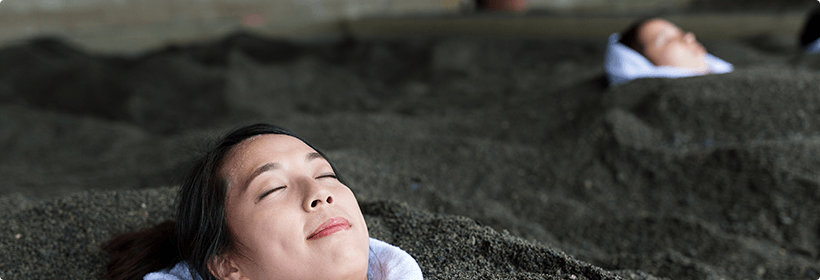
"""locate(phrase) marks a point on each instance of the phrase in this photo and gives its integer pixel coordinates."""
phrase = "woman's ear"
(225, 269)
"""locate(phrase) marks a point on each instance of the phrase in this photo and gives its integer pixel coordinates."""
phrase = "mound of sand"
(63, 237)
(511, 156)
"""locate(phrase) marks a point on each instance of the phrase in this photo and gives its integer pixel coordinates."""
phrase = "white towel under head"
(623, 64)
(386, 262)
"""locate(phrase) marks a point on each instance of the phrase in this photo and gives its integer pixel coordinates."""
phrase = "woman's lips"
(332, 226)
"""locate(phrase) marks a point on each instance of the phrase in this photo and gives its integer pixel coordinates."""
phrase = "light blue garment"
(813, 47)
(178, 272)
(386, 262)
(623, 64)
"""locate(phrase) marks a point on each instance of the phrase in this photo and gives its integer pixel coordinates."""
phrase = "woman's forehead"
(655, 27)
(265, 148)
(270, 142)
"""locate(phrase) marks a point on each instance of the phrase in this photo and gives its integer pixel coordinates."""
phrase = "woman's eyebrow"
(262, 169)
(312, 156)
(273, 166)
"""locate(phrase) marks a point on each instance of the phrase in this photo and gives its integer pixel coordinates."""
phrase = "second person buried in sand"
(657, 48)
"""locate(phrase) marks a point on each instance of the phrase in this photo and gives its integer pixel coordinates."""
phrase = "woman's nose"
(317, 196)
(690, 37)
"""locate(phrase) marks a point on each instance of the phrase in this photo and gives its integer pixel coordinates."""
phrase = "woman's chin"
(701, 67)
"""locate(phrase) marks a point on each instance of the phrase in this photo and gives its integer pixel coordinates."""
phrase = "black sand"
(483, 158)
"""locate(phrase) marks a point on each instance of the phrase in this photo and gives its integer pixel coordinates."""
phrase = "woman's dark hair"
(200, 232)
(135, 254)
(811, 30)
(630, 36)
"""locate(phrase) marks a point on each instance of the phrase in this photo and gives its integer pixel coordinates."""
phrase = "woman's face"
(290, 215)
(667, 45)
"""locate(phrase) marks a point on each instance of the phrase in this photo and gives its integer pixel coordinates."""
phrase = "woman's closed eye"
(270, 191)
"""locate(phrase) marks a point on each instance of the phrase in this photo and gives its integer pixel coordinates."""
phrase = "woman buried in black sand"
(263, 204)
(655, 47)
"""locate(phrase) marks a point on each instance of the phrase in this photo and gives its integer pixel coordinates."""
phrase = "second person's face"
(667, 45)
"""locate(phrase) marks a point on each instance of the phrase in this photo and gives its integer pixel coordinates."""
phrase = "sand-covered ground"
(483, 158)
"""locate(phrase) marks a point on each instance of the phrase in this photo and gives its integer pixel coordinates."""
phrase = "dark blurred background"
(135, 25)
